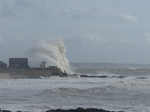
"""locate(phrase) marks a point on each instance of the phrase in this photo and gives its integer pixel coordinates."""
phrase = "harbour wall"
(29, 73)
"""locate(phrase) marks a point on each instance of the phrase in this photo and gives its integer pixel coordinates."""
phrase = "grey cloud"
(44, 10)
(1, 40)
(147, 37)
(22, 9)
(78, 14)
(95, 39)
(29, 9)
(6, 12)
(98, 40)
(128, 17)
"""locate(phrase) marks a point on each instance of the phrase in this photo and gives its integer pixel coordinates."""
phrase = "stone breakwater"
(14, 74)
(70, 110)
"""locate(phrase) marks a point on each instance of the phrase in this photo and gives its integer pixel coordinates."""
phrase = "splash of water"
(53, 52)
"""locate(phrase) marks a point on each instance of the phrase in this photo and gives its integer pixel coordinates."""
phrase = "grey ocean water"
(129, 93)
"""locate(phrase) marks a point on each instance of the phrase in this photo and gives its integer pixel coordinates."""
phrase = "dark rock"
(80, 110)
(103, 76)
(5, 111)
(87, 76)
(121, 76)
(142, 78)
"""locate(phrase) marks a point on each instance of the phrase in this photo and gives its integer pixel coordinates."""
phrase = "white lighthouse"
(43, 64)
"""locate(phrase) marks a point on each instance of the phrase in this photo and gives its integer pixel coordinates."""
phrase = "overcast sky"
(115, 31)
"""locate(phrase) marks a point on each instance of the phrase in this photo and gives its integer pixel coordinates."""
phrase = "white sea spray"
(53, 52)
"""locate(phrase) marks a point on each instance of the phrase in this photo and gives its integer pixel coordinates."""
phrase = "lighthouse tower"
(43, 64)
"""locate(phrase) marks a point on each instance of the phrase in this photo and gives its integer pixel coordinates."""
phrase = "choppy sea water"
(129, 93)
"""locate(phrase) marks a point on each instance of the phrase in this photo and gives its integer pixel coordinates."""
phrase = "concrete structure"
(53, 67)
(19, 63)
(30, 73)
(3, 65)
(43, 65)
(19, 68)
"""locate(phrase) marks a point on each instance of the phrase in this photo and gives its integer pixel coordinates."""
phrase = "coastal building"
(53, 67)
(43, 65)
(3, 65)
(19, 63)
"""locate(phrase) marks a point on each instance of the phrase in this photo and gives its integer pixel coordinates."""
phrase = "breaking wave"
(53, 92)
(52, 51)
(140, 84)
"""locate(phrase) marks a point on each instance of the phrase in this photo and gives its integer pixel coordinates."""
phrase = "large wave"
(53, 52)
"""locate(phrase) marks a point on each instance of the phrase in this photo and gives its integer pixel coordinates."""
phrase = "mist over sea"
(111, 68)
(125, 87)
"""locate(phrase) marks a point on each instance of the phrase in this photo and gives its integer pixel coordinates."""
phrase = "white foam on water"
(129, 94)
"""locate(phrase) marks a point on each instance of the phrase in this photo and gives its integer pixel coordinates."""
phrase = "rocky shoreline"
(70, 110)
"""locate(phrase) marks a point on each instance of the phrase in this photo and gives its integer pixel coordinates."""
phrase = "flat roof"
(18, 60)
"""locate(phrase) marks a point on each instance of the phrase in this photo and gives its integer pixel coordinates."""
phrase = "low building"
(43, 65)
(3, 65)
(53, 67)
(19, 63)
